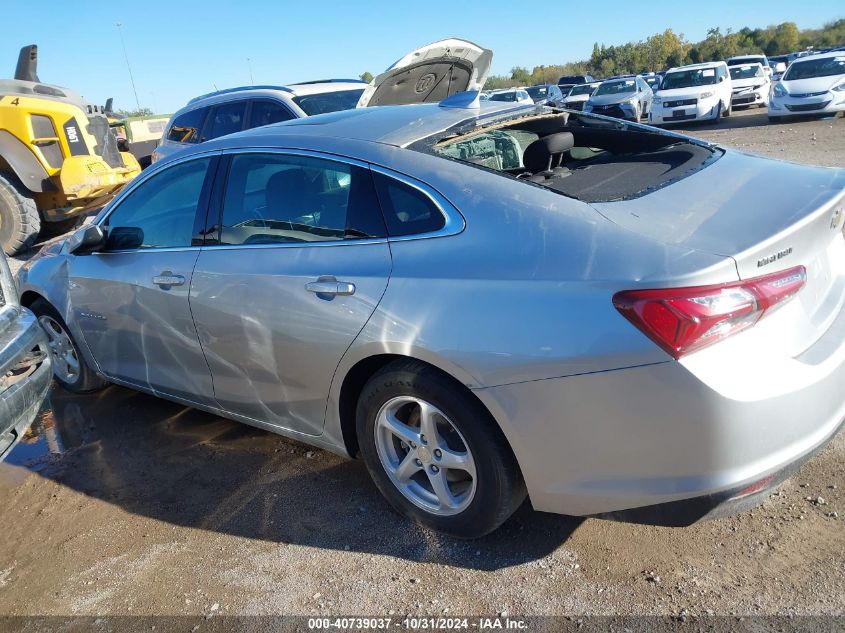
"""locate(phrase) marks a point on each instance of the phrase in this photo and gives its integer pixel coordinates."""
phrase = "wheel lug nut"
(437, 453)
(413, 445)
(423, 440)
(434, 468)
(418, 462)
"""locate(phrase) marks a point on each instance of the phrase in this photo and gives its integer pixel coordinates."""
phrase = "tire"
(19, 219)
(53, 229)
(461, 427)
(729, 111)
(62, 347)
(718, 118)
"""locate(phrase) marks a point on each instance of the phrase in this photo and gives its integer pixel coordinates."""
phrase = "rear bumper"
(22, 392)
(701, 429)
(720, 504)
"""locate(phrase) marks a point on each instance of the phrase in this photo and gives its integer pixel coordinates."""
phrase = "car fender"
(24, 164)
(46, 277)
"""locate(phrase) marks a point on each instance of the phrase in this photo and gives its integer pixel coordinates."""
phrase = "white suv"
(428, 74)
(227, 111)
(697, 92)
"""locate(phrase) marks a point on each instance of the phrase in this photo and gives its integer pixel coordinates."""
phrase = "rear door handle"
(167, 279)
(330, 286)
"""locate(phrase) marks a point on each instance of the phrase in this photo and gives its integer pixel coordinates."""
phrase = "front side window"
(186, 128)
(226, 119)
(267, 113)
(278, 198)
(160, 212)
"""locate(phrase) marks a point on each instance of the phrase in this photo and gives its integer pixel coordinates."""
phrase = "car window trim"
(200, 217)
(454, 222)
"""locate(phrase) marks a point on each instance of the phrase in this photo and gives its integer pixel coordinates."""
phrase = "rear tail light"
(682, 320)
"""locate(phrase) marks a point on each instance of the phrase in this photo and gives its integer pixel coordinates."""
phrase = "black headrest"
(536, 156)
(285, 188)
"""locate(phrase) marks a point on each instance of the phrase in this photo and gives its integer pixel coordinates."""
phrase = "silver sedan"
(482, 301)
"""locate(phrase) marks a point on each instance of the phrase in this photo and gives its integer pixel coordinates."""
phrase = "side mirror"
(86, 239)
(721, 78)
(122, 238)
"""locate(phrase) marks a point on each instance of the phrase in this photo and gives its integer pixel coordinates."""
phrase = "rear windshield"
(689, 78)
(325, 102)
(746, 72)
(826, 67)
(617, 87)
(537, 92)
(739, 61)
(574, 155)
(504, 96)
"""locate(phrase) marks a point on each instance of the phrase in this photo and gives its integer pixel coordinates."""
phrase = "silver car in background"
(621, 97)
(483, 301)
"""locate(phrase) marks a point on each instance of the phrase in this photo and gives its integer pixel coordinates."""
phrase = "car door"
(130, 298)
(298, 264)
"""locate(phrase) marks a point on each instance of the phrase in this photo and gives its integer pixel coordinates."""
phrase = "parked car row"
(811, 84)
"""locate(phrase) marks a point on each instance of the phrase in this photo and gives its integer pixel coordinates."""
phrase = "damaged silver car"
(483, 300)
(25, 364)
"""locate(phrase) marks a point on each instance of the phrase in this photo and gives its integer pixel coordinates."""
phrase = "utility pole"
(119, 26)
(249, 63)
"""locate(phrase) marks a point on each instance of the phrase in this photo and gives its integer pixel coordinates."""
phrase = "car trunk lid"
(430, 73)
(767, 215)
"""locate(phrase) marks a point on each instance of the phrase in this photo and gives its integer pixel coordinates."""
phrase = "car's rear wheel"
(435, 453)
(69, 367)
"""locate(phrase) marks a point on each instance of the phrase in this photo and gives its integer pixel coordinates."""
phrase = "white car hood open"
(430, 74)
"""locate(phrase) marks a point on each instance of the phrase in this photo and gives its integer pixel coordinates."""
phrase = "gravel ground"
(123, 504)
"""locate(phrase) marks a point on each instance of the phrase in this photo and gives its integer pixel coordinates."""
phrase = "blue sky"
(179, 49)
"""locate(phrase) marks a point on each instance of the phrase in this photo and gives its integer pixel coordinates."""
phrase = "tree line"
(667, 49)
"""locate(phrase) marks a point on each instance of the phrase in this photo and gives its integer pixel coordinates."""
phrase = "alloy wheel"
(425, 456)
(65, 360)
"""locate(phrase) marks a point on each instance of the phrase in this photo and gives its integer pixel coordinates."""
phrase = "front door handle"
(167, 279)
(330, 286)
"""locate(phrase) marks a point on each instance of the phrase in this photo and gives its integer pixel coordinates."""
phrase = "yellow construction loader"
(59, 159)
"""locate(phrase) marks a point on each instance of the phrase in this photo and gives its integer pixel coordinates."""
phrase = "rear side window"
(226, 119)
(186, 128)
(278, 198)
(268, 112)
(407, 210)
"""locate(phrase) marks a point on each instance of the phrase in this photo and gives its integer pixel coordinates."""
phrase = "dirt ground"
(123, 504)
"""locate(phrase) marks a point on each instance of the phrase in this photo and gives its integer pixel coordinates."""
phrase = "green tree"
(366, 76)
(138, 112)
(520, 75)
